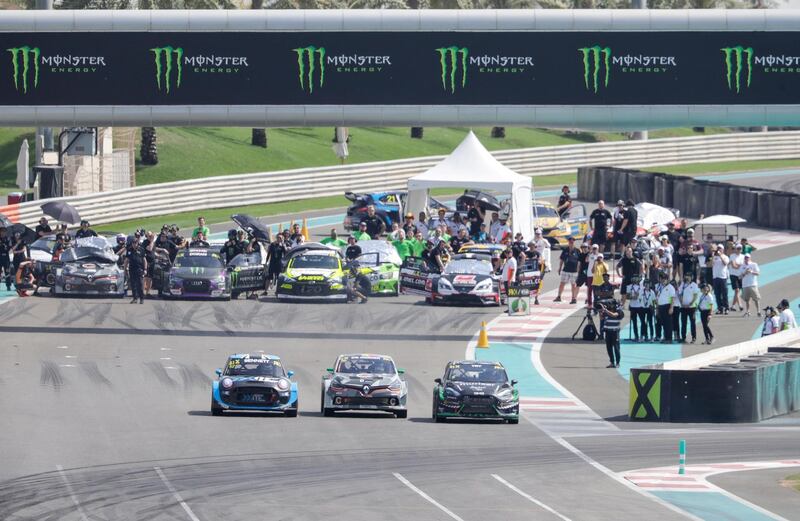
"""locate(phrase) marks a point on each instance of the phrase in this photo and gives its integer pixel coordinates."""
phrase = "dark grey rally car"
(90, 267)
(468, 278)
(475, 389)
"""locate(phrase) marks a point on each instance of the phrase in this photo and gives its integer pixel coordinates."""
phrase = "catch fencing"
(307, 183)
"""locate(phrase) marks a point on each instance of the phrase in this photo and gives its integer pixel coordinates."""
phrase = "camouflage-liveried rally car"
(364, 382)
(475, 389)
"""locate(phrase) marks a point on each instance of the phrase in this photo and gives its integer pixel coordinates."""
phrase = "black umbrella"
(253, 226)
(28, 235)
(478, 198)
(61, 211)
(5, 222)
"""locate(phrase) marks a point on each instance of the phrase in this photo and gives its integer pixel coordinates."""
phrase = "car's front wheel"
(216, 410)
(292, 413)
(513, 421)
(401, 414)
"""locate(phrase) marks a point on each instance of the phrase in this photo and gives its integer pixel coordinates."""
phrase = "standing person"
(475, 215)
(665, 299)
(564, 201)
(457, 224)
(648, 297)
(43, 228)
(735, 269)
(627, 268)
(688, 295)
(690, 251)
(749, 272)
(720, 275)
(787, 320)
(590, 260)
(353, 250)
(408, 225)
(503, 230)
(422, 225)
(746, 246)
(165, 244)
(772, 322)
(275, 253)
(201, 228)
(630, 223)
(229, 250)
(361, 234)
(440, 220)
(612, 316)
(19, 251)
(542, 246)
(296, 238)
(583, 266)
(85, 231)
(481, 237)
(600, 219)
(393, 234)
(509, 269)
(599, 269)
(402, 245)
(706, 306)
(417, 244)
(136, 265)
(568, 270)
(494, 225)
(334, 240)
(5, 260)
(459, 240)
(617, 218)
(706, 261)
(636, 294)
(148, 245)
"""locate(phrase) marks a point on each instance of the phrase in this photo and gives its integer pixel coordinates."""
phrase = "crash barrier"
(694, 197)
(307, 183)
(746, 382)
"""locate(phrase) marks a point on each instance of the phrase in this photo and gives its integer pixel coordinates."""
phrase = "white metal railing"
(307, 183)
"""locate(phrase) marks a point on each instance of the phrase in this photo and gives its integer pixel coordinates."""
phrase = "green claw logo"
(592, 65)
(234, 277)
(168, 52)
(306, 59)
(448, 61)
(27, 55)
(734, 76)
(519, 305)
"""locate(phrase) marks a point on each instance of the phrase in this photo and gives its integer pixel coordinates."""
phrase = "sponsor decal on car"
(464, 280)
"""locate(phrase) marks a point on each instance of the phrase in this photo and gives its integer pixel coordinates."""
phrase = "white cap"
(595, 246)
(600, 256)
(720, 247)
(747, 255)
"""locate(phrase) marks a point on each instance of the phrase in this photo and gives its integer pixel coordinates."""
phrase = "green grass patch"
(793, 481)
(727, 166)
(10, 141)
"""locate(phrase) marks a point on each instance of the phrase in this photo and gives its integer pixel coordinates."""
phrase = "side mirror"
(290, 373)
(514, 382)
(219, 372)
(330, 369)
(438, 381)
(401, 371)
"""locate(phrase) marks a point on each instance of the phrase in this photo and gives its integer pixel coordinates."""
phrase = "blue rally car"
(254, 382)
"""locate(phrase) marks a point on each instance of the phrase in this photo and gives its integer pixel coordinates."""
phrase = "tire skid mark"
(100, 313)
(193, 376)
(160, 373)
(15, 308)
(93, 372)
(188, 318)
(224, 318)
(247, 320)
(50, 375)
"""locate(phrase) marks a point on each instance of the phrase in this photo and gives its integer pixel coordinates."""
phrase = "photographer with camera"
(611, 316)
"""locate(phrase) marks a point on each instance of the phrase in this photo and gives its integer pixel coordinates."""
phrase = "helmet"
(121, 237)
(231, 233)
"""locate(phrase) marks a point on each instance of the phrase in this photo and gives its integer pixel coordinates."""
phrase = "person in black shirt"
(166, 246)
(43, 228)
(5, 261)
(275, 253)
(149, 245)
(61, 234)
(85, 231)
(519, 245)
(460, 240)
(120, 250)
(475, 215)
(353, 250)
(408, 225)
(568, 270)
(564, 201)
(136, 264)
(19, 251)
(231, 247)
(600, 219)
(630, 218)
(375, 225)
(199, 241)
(611, 316)
(628, 266)
(433, 256)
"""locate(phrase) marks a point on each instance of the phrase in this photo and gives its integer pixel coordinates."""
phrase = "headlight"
(444, 285)
(506, 395)
(227, 383)
(484, 286)
(388, 275)
(452, 393)
(283, 384)
(286, 278)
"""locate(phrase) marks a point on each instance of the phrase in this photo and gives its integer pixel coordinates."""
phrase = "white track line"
(176, 494)
(530, 498)
(72, 495)
(426, 497)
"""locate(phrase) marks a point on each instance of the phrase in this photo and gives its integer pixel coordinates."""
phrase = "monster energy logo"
(306, 59)
(734, 76)
(449, 61)
(234, 277)
(26, 55)
(168, 52)
(592, 65)
(196, 270)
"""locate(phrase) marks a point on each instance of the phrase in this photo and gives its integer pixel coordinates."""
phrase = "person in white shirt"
(720, 274)
(772, 323)
(509, 273)
(668, 248)
(664, 259)
(494, 225)
(439, 221)
(689, 294)
(706, 306)
(421, 225)
(786, 318)
(394, 234)
(666, 300)
(542, 246)
(749, 272)
(636, 293)
(648, 299)
(735, 269)
(502, 231)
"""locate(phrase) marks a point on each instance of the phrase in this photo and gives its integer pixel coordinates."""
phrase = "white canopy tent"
(470, 165)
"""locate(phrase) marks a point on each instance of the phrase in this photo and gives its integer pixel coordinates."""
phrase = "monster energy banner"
(396, 68)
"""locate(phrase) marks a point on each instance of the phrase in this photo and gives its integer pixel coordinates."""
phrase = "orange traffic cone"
(483, 337)
(304, 229)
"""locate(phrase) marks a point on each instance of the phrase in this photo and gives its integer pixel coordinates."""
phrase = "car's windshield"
(254, 367)
(88, 254)
(375, 252)
(475, 267)
(365, 364)
(323, 262)
(544, 211)
(247, 259)
(199, 260)
(482, 373)
(44, 244)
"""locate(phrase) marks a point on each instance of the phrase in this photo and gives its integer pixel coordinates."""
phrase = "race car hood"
(359, 381)
(465, 280)
(479, 388)
(547, 223)
(197, 273)
(90, 269)
(266, 381)
(311, 272)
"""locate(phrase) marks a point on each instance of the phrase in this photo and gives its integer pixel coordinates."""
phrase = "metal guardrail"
(307, 183)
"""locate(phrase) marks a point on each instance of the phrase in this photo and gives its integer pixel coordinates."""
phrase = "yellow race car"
(555, 228)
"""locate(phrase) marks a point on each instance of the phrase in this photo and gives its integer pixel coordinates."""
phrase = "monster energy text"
(783, 64)
(643, 63)
(170, 58)
(29, 61)
(313, 62)
(598, 62)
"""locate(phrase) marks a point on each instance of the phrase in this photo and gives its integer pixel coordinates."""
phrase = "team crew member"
(354, 282)
(635, 293)
(786, 318)
(689, 295)
(720, 275)
(568, 269)
(229, 250)
(417, 244)
(85, 231)
(749, 278)
(199, 241)
(353, 250)
(600, 218)
(459, 240)
(408, 225)
(612, 315)
(433, 255)
(119, 250)
(375, 225)
(475, 215)
(665, 298)
(706, 306)
(564, 201)
(630, 218)
(334, 240)
(24, 278)
(275, 253)
(772, 322)
(5, 261)
(149, 245)
(43, 228)
(501, 231)
(422, 225)
(361, 234)
(509, 269)
(402, 245)
(736, 259)
(627, 268)
(19, 251)
(136, 264)
(201, 228)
